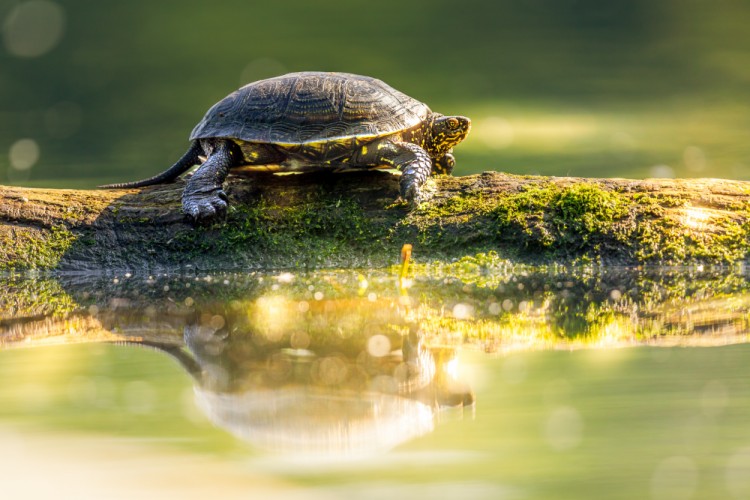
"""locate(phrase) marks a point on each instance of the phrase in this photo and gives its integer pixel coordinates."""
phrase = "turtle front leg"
(413, 162)
(444, 165)
(203, 198)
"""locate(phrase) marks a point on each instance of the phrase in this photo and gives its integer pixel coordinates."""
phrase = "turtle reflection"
(345, 376)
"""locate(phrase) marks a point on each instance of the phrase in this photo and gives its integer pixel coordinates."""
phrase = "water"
(489, 381)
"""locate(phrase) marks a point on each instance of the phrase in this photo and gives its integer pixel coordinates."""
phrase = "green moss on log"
(353, 221)
(560, 220)
(312, 231)
(36, 248)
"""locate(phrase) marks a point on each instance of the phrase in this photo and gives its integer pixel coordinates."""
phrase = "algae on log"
(351, 220)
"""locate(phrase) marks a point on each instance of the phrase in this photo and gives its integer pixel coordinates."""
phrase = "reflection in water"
(346, 363)
(338, 376)
(506, 308)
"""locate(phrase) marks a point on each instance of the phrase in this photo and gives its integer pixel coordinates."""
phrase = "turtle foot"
(444, 165)
(203, 208)
(412, 195)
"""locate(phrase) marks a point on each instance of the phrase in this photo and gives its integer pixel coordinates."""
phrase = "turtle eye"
(452, 123)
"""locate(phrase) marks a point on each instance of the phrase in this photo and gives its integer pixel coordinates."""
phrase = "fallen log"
(351, 220)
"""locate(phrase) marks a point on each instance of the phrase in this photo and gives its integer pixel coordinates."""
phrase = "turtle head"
(446, 132)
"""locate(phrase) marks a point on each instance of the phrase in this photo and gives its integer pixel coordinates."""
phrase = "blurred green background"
(94, 92)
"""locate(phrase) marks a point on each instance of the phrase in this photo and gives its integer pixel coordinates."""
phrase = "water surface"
(475, 380)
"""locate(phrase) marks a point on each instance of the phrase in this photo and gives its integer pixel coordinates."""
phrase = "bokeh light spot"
(564, 428)
(694, 158)
(463, 311)
(332, 370)
(299, 340)
(33, 28)
(662, 172)
(24, 153)
(378, 346)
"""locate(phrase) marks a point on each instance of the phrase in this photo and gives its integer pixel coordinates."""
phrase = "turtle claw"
(412, 195)
(206, 207)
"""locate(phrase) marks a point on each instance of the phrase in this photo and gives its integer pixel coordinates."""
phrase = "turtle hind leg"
(190, 158)
(203, 198)
(413, 162)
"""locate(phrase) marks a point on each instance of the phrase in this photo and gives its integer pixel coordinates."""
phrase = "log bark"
(353, 220)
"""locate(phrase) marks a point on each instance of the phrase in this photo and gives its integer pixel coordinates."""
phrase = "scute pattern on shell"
(308, 107)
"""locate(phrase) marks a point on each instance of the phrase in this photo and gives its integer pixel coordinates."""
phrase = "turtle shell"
(311, 107)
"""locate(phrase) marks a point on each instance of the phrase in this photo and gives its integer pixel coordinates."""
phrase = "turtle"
(310, 121)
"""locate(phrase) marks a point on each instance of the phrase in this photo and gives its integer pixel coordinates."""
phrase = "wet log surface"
(353, 220)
